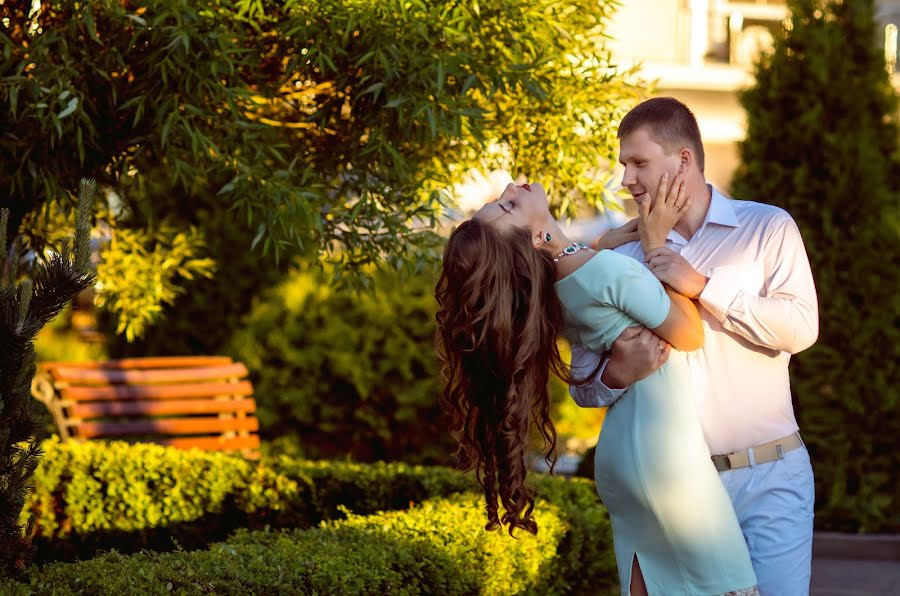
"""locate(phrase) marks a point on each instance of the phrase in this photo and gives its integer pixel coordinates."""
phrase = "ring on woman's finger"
(660, 346)
(677, 206)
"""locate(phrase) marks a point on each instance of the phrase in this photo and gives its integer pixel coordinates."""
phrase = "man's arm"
(635, 354)
(786, 318)
(595, 394)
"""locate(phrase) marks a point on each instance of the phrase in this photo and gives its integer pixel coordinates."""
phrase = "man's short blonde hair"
(669, 122)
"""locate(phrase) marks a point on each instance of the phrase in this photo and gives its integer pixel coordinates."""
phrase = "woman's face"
(523, 206)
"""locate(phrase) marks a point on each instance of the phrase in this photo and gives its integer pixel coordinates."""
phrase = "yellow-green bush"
(439, 546)
(99, 495)
(99, 486)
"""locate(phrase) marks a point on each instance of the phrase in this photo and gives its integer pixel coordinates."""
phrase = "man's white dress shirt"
(758, 308)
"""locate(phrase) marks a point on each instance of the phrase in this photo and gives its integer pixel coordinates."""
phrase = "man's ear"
(686, 158)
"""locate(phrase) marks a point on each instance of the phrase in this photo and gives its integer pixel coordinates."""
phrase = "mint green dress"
(652, 467)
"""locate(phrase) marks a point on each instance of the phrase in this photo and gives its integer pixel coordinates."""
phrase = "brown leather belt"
(761, 453)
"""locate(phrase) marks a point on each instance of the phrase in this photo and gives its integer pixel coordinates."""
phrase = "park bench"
(186, 402)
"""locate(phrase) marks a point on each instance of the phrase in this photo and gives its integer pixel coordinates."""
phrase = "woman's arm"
(682, 327)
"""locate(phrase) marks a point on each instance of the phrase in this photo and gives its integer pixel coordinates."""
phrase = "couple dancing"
(707, 482)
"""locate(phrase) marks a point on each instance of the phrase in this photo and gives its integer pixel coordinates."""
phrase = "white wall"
(649, 30)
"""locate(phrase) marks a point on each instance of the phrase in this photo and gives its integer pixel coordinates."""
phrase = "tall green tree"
(822, 142)
(27, 303)
(324, 128)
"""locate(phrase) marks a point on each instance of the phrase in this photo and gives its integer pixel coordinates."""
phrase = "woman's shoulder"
(616, 259)
(608, 265)
(596, 274)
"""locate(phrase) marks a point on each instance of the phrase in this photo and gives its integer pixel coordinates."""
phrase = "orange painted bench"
(186, 402)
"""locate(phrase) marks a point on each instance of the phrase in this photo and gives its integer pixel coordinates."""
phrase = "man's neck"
(691, 221)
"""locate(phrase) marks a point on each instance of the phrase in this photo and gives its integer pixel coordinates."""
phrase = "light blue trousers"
(774, 505)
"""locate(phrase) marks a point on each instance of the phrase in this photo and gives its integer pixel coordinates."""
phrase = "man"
(745, 264)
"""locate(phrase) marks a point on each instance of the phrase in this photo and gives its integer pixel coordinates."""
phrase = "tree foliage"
(822, 143)
(326, 127)
(137, 283)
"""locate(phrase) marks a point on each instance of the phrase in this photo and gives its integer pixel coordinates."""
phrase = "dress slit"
(636, 566)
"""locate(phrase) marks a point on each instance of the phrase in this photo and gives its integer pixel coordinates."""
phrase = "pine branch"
(83, 223)
(25, 308)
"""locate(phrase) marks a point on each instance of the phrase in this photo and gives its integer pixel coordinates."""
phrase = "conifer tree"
(822, 143)
(27, 303)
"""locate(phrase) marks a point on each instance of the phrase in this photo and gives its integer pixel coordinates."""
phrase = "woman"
(511, 283)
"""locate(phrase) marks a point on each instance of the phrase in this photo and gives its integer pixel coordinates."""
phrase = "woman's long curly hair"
(498, 319)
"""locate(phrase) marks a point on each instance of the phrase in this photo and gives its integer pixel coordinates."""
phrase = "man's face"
(645, 162)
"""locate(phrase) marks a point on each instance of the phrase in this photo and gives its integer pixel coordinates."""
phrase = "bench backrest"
(197, 401)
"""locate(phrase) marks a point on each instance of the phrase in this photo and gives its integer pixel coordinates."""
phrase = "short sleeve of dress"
(607, 294)
(636, 292)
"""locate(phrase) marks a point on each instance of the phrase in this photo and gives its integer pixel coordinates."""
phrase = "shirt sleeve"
(594, 394)
(786, 317)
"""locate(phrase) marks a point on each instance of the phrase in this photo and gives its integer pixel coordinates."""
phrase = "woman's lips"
(527, 187)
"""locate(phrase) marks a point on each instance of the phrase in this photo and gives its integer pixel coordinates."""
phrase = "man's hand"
(656, 218)
(636, 353)
(618, 236)
(671, 268)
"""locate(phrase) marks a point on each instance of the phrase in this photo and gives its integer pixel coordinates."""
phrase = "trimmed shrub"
(586, 563)
(101, 495)
(95, 495)
(331, 486)
(438, 547)
(97, 486)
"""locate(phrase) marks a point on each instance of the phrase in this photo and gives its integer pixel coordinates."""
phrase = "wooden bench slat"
(181, 401)
(144, 363)
(136, 408)
(212, 443)
(166, 375)
(124, 392)
(166, 426)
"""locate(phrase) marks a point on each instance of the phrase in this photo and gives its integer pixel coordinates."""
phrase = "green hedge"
(99, 495)
(439, 546)
(96, 486)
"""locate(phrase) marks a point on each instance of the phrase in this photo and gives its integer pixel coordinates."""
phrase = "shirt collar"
(720, 212)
